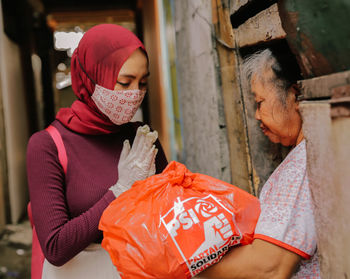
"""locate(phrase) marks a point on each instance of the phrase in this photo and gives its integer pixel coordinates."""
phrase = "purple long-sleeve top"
(67, 207)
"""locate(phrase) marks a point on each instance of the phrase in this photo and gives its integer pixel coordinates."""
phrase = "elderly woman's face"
(280, 123)
(134, 72)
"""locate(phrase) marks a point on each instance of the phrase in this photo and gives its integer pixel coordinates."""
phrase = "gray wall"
(204, 132)
(16, 126)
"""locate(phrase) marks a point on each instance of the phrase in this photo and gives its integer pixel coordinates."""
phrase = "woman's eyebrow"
(128, 76)
(132, 76)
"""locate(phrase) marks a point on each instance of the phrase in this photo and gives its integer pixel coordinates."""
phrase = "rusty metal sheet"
(318, 33)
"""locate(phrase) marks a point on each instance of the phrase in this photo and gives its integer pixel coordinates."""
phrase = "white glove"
(138, 162)
(151, 138)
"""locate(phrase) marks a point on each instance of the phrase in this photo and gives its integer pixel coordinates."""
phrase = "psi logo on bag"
(202, 230)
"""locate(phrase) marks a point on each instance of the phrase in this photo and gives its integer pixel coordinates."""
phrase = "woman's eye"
(258, 104)
(123, 84)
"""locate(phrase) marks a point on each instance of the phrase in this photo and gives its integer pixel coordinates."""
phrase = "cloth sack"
(176, 224)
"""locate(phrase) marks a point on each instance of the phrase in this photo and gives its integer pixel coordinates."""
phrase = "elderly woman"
(284, 245)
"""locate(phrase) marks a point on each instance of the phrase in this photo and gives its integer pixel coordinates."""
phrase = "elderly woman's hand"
(136, 162)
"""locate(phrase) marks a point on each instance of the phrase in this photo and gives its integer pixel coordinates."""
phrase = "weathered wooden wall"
(318, 33)
(221, 136)
(325, 105)
(233, 105)
(265, 156)
(263, 28)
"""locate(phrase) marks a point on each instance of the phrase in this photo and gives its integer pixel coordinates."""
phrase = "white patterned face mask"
(118, 105)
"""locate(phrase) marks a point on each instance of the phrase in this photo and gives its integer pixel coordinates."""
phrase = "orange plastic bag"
(176, 224)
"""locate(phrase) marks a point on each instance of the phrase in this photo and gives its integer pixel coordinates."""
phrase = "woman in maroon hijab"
(109, 76)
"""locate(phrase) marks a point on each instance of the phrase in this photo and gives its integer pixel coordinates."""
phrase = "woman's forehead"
(264, 74)
(263, 87)
(136, 64)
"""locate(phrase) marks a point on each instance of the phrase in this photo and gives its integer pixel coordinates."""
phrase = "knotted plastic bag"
(176, 224)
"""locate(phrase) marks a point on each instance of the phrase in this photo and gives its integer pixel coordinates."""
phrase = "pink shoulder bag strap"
(37, 254)
(62, 155)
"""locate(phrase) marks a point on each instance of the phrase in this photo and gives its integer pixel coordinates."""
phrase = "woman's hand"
(136, 162)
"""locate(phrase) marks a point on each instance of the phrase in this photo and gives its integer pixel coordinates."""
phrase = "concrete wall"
(326, 126)
(204, 126)
(328, 152)
(341, 195)
(16, 126)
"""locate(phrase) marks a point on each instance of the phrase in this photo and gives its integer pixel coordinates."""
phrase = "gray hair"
(264, 66)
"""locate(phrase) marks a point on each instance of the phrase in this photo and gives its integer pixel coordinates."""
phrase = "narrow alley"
(205, 73)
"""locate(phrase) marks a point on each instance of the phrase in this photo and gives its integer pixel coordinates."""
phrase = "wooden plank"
(233, 108)
(264, 27)
(321, 87)
(222, 23)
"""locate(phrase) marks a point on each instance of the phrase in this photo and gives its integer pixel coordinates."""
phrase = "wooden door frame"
(157, 103)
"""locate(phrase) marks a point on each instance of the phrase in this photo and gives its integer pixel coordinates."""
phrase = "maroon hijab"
(97, 60)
